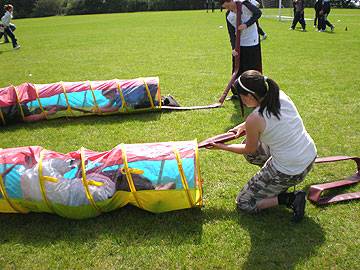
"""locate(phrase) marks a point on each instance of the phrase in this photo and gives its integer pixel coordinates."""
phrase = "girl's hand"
(215, 146)
(234, 53)
(242, 27)
(237, 130)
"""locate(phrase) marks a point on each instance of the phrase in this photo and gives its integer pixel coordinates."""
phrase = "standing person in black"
(250, 49)
(317, 7)
(299, 15)
(323, 14)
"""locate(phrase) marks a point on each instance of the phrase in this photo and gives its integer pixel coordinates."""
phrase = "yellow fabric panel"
(85, 182)
(6, 208)
(158, 201)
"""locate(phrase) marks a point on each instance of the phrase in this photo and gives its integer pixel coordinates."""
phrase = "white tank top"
(249, 36)
(291, 147)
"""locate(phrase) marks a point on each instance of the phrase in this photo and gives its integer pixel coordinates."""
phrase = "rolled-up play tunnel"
(33, 102)
(157, 177)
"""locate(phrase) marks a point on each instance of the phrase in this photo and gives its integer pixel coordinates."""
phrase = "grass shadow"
(87, 120)
(7, 51)
(276, 242)
(129, 226)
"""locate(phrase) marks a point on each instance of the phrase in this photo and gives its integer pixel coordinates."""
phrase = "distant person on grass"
(5, 26)
(260, 30)
(298, 15)
(317, 8)
(323, 15)
(250, 49)
(6, 39)
(277, 141)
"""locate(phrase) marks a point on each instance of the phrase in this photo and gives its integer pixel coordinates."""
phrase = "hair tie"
(245, 88)
(266, 83)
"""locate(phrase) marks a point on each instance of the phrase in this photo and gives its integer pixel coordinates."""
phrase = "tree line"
(43, 8)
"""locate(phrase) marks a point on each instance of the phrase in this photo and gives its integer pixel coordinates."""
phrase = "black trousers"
(316, 19)
(13, 28)
(250, 58)
(8, 32)
(299, 17)
(323, 22)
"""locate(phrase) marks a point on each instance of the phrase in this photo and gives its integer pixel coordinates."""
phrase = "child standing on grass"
(250, 50)
(5, 21)
(277, 141)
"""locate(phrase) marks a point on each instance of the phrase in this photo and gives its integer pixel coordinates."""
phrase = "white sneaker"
(17, 47)
(264, 37)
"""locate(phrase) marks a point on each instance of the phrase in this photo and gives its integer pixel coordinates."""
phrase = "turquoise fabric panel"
(13, 181)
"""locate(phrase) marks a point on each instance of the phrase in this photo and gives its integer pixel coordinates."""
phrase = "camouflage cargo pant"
(267, 183)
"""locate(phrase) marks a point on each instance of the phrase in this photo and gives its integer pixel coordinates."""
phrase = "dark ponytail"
(263, 89)
(270, 101)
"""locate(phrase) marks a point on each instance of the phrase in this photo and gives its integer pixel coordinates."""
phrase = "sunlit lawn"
(190, 53)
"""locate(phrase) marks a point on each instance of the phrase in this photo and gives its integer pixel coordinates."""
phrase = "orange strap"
(40, 105)
(97, 109)
(86, 184)
(2, 117)
(68, 109)
(199, 180)
(128, 175)
(149, 95)
(123, 105)
(183, 177)
(18, 101)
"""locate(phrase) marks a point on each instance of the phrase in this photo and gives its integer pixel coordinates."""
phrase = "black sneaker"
(298, 206)
(233, 97)
(170, 101)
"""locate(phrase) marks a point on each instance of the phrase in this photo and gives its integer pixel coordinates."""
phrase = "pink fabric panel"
(7, 96)
(20, 155)
(104, 85)
(48, 90)
(26, 92)
(139, 81)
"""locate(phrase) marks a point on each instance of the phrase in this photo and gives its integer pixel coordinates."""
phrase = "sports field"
(190, 52)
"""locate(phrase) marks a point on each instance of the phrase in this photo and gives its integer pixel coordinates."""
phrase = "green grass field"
(190, 53)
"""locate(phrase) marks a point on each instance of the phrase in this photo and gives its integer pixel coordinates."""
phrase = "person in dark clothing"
(5, 22)
(317, 8)
(261, 31)
(298, 15)
(250, 49)
(323, 14)
(6, 39)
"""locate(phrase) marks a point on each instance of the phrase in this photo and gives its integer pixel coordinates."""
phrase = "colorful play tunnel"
(33, 102)
(157, 177)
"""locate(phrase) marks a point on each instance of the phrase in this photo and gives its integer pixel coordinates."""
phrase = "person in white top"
(6, 25)
(250, 49)
(276, 140)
